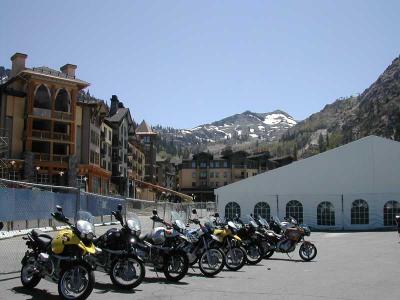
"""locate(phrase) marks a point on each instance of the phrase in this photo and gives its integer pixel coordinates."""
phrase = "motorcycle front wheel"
(175, 266)
(127, 273)
(268, 254)
(76, 282)
(211, 262)
(253, 254)
(235, 258)
(307, 251)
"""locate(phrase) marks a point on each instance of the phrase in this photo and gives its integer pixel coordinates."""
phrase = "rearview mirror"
(216, 215)
(119, 207)
(194, 211)
(59, 208)
(155, 212)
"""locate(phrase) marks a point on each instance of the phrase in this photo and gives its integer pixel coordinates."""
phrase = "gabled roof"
(120, 115)
(144, 129)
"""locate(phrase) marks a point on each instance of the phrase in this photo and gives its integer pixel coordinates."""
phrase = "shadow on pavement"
(287, 259)
(109, 287)
(36, 294)
(162, 280)
(9, 278)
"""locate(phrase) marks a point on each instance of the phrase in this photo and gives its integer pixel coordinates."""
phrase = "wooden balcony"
(47, 135)
(48, 114)
(51, 158)
(60, 115)
(60, 158)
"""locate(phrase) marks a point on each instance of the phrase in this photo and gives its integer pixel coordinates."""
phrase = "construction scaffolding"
(4, 165)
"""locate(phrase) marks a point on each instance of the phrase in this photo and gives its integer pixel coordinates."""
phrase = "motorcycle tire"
(138, 266)
(63, 282)
(228, 257)
(194, 262)
(269, 254)
(251, 258)
(32, 280)
(203, 265)
(173, 258)
(305, 253)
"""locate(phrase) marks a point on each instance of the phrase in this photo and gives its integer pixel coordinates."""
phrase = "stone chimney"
(18, 63)
(114, 105)
(69, 69)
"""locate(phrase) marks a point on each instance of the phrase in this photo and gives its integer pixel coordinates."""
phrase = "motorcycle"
(158, 249)
(198, 246)
(117, 258)
(286, 243)
(62, 259)
(228, 241)
(254, 242)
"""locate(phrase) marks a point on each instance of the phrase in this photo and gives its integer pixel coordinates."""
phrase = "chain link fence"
(24, 206)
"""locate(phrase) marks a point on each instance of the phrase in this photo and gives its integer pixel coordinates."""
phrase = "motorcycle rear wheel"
(127, 273)
(213, 267)
(28, 278)
(269, 254)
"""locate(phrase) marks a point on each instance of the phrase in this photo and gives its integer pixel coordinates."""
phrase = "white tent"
(355, 186)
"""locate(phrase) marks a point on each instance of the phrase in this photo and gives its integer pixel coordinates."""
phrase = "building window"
(360, 212)
(109, 135)
(193, 174)
(262, 209)
(94, 138)
(63, 102)
(390, 211)
(231, 210)
(294, 209)
(203, 164)
(211, 164)
(225, 164)
(216, 174)
(211, 174)
(203, 174)
(193, 164)
(216, 164)
(96, 185)
(193, 184)
(42, 98)
(325, 213)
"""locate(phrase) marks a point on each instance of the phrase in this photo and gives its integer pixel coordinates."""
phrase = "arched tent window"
(262, 209)
(231, 209)
(325, 213)
(360, 212)
(42, 98)
(295, 209)
(390, 211)
(63, 102)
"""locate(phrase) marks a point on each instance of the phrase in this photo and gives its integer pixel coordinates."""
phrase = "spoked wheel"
(29, 278)
(127, 273)
(211, 262)
(176, 266)
(235, 258)
(253, 254)
(307, 251)
(76, 282)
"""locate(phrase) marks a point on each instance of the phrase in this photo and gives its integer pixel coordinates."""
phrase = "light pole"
(37, 173)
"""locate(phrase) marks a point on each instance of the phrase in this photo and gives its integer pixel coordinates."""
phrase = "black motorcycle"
(117, 257)
(158, 249)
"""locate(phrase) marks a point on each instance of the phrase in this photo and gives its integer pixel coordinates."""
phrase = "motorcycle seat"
(38, 233)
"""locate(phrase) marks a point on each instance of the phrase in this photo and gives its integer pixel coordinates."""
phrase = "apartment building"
(122, 125)
(147, 138)
(38, 111)
(203, 173)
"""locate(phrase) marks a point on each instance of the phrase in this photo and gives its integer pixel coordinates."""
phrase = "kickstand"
(289, 256)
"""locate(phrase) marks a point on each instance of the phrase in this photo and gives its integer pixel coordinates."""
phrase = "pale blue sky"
(185, 63)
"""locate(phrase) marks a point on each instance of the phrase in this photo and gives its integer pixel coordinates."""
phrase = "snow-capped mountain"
(244, 127)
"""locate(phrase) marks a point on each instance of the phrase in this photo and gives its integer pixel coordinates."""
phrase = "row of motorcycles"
(71, 257)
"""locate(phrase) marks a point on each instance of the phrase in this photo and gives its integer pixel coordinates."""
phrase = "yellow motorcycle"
(229, 243)
(62, 259)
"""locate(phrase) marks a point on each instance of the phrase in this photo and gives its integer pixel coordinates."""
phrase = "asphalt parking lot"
(364, 265)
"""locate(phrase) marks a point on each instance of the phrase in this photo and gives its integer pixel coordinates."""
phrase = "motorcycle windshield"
(133, 221)
(178, 219)
(263, 222)
(85, 222)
